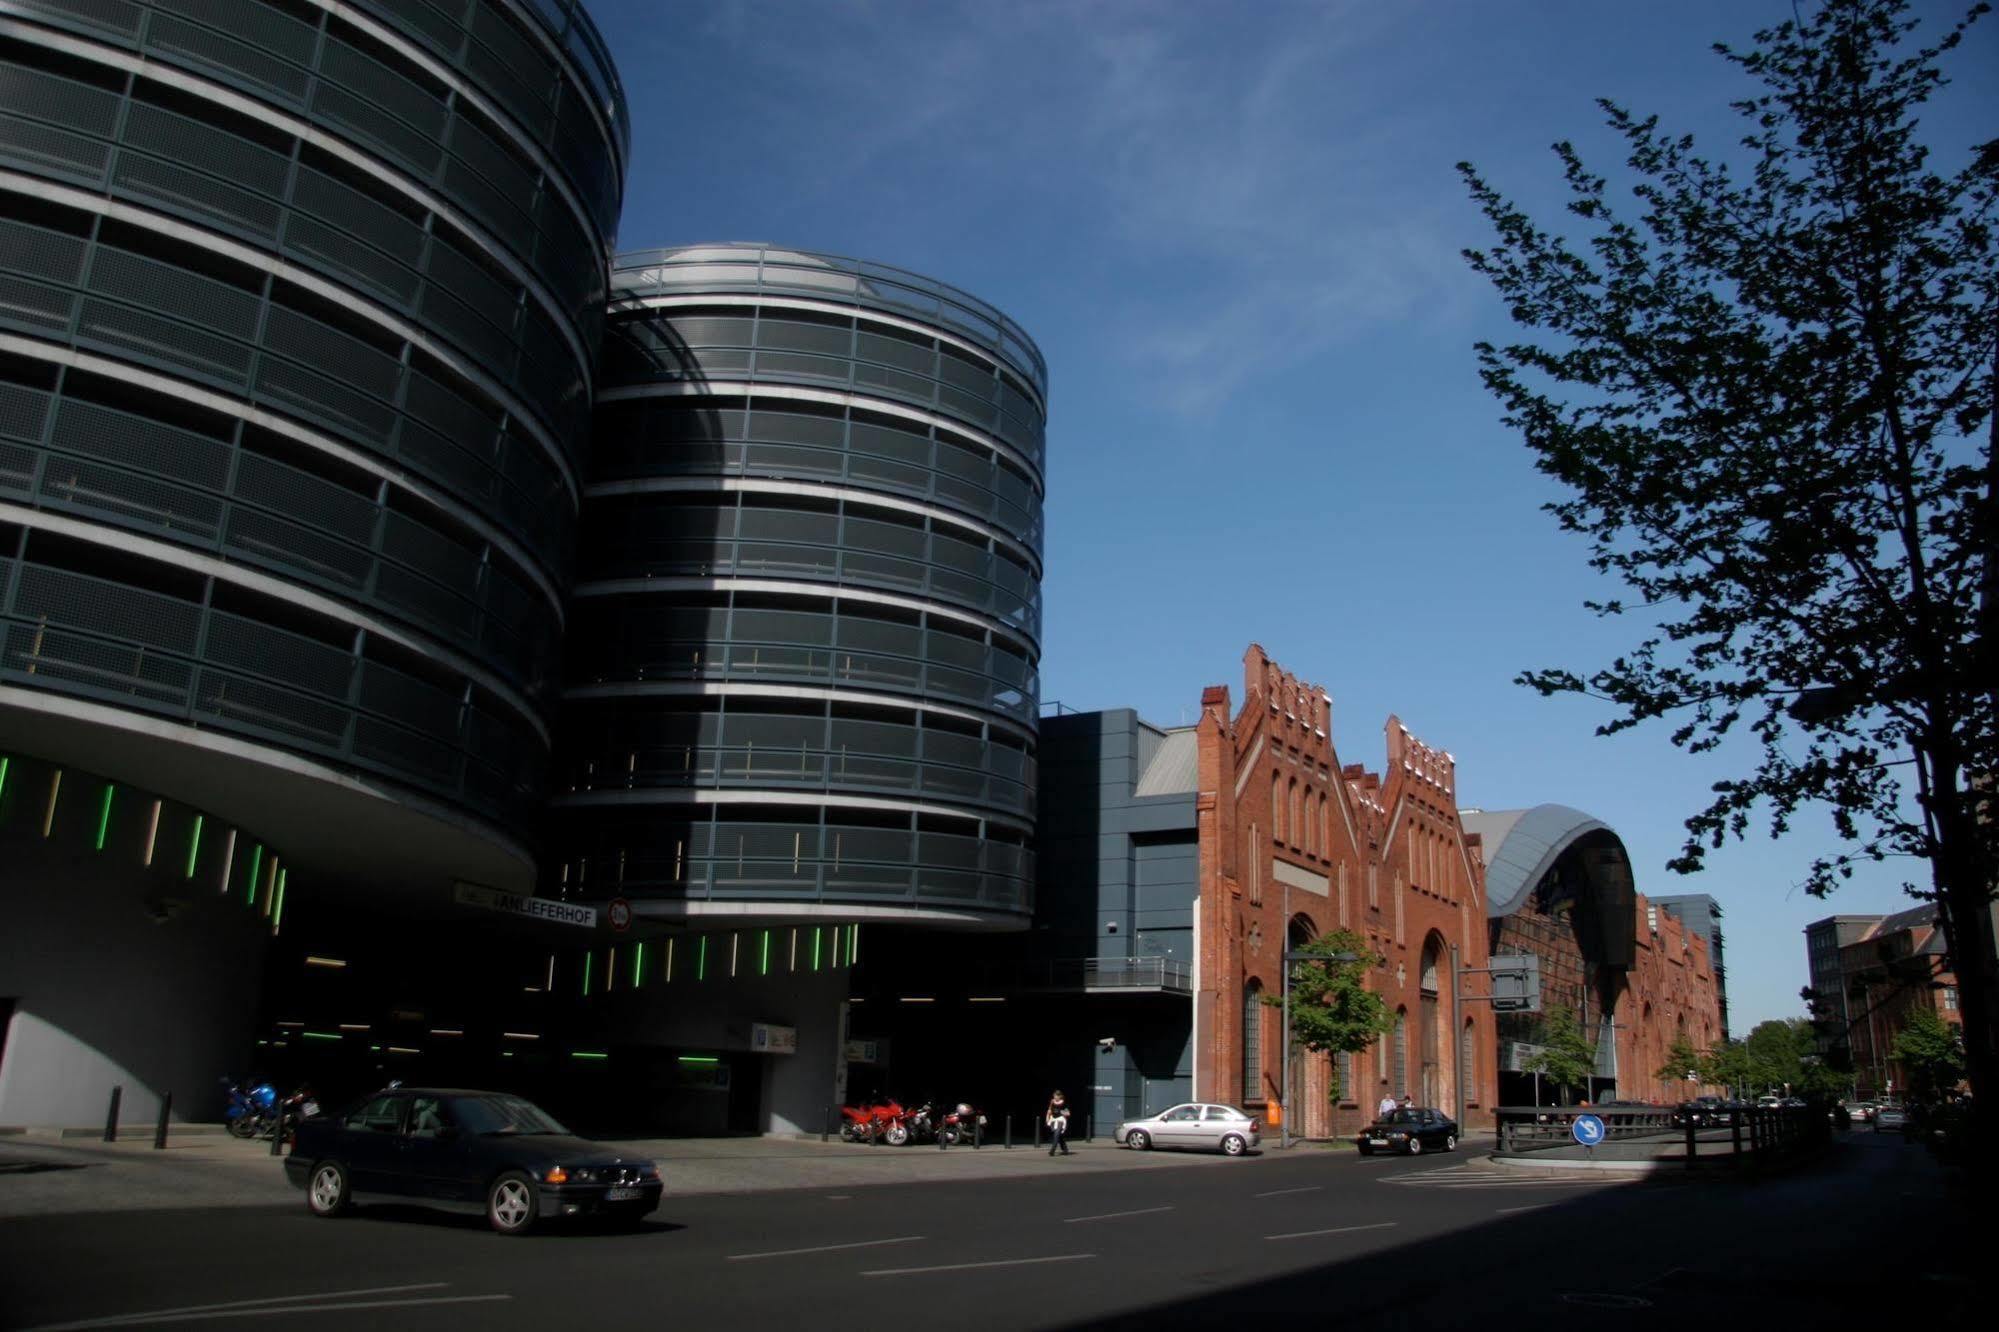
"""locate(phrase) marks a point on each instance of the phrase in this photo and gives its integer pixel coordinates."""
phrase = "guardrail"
(1742, 1135)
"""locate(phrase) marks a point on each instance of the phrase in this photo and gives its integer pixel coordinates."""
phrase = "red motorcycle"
(885, 1121)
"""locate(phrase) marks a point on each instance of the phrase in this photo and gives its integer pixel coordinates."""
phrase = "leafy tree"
(1332, 1010)
(1769, 392)
(1931, 1054)
(1730, 1065)
(1567, 1055)
(1682, 1058)
(1777, 1050)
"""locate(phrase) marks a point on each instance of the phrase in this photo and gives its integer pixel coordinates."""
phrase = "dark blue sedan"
(472, 1151)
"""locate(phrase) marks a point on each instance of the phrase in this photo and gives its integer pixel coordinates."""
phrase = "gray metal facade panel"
(823, 509)
(1532, 844)
(307, 480)
(1175, 767)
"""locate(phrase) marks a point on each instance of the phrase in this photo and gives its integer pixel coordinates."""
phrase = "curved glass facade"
(301, 304)
(804, 643)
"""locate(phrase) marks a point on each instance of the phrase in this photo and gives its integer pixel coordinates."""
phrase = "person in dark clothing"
(1057, 1119)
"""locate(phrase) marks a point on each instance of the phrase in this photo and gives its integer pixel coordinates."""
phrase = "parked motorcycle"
(892, 1123)
(962, 1124)
(301, 1104)
(881, 1121)
(252, 1110)
(921, 1123)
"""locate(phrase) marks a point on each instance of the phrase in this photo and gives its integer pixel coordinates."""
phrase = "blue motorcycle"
(253, 1109)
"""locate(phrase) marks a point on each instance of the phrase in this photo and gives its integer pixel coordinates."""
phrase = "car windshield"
(1405, 1117)
(503, 1114)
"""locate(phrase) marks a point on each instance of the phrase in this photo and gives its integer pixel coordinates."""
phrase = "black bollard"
(1088, 1121)
(1009, 1131)
(1037, 1133)
(278, 1132)
(111, 1115)
(978, 1130)
(826, 1125)
(160, 1129)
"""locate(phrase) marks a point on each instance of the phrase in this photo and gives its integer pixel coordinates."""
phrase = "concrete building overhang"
(339, 829)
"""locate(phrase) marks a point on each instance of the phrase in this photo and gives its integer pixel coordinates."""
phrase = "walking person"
(1057, 1119)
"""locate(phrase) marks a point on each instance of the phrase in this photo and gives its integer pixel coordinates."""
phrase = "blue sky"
(1234, 230)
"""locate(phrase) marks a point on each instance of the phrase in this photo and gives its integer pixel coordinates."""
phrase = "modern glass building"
(301, 305)
(299, 308)
(804, 641)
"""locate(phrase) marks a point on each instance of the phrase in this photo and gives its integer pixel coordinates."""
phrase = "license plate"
(1377, 1142)
(310, 1108)
(622, 1195)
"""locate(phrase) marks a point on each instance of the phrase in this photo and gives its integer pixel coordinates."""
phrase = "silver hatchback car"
(1215, 1128)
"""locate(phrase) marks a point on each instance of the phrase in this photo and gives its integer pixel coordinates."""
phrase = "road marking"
(1336, 1230)
(247, 1304)
(823, 1248)
(1278, 1193)
(1108, 1216)
(966, 1267)
(839, 1197)
(271, 1309)
(1532, 1207)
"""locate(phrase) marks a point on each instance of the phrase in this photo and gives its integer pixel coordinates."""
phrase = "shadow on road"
(1841, 1241)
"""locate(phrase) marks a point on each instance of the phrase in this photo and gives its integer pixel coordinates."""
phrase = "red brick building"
(1634, 975)
(1293, 843)
(1670, 990)
(1896, 967)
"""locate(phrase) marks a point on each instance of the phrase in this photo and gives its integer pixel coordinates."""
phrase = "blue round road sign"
(1587, 1130)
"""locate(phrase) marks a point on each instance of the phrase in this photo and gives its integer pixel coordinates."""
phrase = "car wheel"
(1415, 1145)
(511, 1203)
(243, 1126)
(326, 1192)
(897, 1134)
(1450, 1142)
(1233, 1145)
(1138, 1140)
(1366, 1150)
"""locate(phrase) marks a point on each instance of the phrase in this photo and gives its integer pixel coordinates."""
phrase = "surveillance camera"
(1107, 1043)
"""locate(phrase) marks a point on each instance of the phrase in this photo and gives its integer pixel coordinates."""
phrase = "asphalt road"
(1439, 1241)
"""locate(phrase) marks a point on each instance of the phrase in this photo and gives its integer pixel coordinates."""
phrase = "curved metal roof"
(1521, 845)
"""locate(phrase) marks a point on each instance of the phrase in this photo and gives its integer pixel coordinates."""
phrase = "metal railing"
(1739, 1135)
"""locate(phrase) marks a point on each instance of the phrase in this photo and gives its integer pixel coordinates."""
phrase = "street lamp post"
(1292, 956)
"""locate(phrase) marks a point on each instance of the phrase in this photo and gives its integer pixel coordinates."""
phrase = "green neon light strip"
(321, 1035)
(256, 868)
(699, 1059)
(701, 961)
(104, 815)
(278, 911)
(638, 964)
(588, 959)
(763, 955)
(194, 846)
(4, 762)
(588, 1054)
(816, 930)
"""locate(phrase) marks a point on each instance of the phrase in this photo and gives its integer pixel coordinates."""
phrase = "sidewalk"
(45, 1174)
